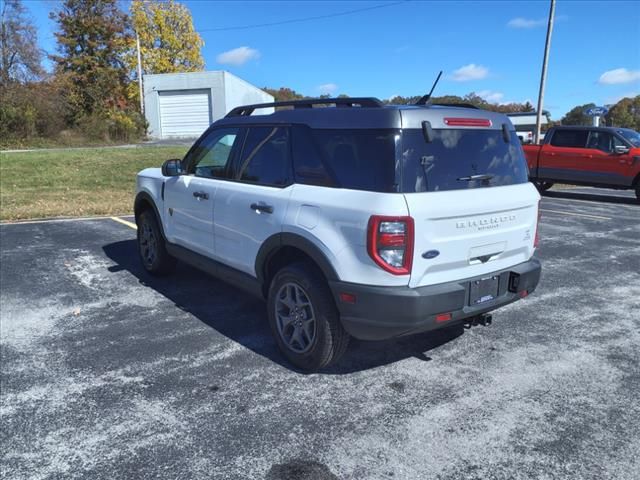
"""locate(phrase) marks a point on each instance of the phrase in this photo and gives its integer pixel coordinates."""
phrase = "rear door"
(563, 157)
(251, 207)
(474, 210)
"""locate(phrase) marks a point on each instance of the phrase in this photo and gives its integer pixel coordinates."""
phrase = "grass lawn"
(88, 181)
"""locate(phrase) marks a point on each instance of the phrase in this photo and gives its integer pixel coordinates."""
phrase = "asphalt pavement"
(108, 373)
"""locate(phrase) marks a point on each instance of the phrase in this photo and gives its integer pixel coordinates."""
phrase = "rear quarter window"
(345, 158)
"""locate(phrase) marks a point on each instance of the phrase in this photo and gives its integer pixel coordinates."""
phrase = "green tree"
(20, 56)
(284, 94)
(576, 115)
(168, 40)
(625, 113)
(92, 39)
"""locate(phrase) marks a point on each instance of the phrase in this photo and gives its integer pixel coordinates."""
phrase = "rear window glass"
(458, 159)
(265, 156)
(570, 138)
(308, 165)
(354, 159)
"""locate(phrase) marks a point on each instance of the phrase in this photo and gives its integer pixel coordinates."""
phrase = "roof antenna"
(425, 99)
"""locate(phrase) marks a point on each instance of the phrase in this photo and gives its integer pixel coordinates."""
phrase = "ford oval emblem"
(430, 254)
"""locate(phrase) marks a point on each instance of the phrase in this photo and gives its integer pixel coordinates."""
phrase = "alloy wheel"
(295, 317)
(148, 243)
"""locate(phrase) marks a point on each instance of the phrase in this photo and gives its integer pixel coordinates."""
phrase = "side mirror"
(621, 149)
(172, 168)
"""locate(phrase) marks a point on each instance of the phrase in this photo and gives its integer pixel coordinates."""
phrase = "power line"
(305, 19)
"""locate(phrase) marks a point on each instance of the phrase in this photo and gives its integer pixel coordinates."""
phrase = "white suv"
(357, 219)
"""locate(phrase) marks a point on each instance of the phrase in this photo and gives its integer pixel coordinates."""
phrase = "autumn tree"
(625, 113)
(168, 40)
(92, 38)
(285, 94)
(20, 56)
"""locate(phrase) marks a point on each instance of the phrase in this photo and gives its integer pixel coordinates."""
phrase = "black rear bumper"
(385, 312)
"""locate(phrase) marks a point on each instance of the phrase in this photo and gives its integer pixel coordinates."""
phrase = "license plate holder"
(483, 290)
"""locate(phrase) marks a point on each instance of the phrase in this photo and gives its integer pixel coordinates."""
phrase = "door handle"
(201, 195)
(261, 208)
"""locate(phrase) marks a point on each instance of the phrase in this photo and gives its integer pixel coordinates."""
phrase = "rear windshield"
(458, 159)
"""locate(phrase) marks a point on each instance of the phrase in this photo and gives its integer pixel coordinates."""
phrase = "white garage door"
(184, 113)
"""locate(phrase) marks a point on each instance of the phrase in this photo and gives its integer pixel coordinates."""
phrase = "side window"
(359, 159)
(602, 141)
(211, 156)
(265, 156)
(618, 142)
(570, 138)
(308, 166)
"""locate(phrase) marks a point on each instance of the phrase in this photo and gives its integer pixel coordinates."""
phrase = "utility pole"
(543, 77)
(140, 74)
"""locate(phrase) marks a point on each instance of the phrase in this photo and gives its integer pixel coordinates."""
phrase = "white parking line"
(57, 220)
(585, 201)
(596, 217)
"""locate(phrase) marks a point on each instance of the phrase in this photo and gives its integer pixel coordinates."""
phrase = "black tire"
(638, 192)
(329, 341)
(543, 186)
(151, 247)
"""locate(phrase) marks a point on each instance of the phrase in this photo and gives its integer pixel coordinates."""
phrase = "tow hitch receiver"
(485, 319)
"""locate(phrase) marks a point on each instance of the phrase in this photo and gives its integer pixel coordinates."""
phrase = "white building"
(525, 121)
(183, 105)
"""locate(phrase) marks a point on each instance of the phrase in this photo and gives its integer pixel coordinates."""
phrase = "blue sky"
(492, 48)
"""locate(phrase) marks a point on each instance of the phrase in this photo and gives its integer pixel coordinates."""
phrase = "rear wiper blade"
(485, 176)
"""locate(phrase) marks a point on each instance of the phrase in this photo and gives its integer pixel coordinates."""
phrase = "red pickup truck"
(595, 156)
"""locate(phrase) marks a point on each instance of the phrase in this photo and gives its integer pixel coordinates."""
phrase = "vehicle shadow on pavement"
(593, 197)
(243, 319)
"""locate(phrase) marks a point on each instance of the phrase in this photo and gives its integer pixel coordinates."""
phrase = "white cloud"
(238, 56)
(328, 88)
(490, 96)
(619, 75)
(520, 22)
(470, 72)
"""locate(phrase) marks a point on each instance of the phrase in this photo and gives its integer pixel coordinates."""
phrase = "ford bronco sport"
(357, 219)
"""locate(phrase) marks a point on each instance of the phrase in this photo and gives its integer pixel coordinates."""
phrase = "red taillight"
(536, 239)
(467, 122)
(443, 317)
(391, 239)
(390, 243)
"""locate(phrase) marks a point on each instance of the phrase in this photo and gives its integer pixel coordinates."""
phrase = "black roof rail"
(462, 105)
(369, 102)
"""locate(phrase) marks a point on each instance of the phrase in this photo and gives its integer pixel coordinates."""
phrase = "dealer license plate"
(483, 290)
